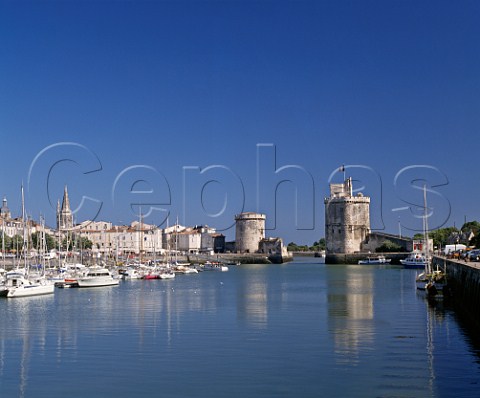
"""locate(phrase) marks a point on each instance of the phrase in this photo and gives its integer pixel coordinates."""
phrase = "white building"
(122, 240)
(189, 241)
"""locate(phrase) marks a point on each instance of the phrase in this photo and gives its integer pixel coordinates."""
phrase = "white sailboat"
(18, 283)
(431, 281)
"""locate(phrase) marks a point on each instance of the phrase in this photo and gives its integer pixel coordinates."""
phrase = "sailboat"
(431, 281)
(18, 283)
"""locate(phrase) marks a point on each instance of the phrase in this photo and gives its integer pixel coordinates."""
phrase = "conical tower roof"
(66, 201)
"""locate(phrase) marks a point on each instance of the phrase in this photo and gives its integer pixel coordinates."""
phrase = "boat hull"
(97, 282)
(28, 291)
(413, 265)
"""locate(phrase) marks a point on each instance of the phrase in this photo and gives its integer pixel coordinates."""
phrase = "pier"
(464, 281)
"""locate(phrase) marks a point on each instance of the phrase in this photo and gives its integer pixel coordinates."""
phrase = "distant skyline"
(202, 109)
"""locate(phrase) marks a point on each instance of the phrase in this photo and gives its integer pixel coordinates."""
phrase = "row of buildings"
(140, 237)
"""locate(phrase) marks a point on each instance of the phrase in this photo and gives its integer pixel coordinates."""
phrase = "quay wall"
(246, 258)
(463, 279)
(353, 258)
(306, 254)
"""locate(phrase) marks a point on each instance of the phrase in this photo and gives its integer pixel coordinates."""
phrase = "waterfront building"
(273, 247)
(189, 241)
(347, 219)
(12, 227)
(219, 245)
(249, 231)
(123, 240)
(462, 237)
(200, 239)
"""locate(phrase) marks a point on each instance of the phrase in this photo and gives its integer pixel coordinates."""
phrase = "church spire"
(66, 201)
(4, 210)
(64, 213)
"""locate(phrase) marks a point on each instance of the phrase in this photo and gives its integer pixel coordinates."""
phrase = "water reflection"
(252, 298)
(26, 331)
(350, 310)
(267, 329)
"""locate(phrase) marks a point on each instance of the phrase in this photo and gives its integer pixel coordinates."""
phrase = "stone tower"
(64, 213)
(5, 211)
(347, 219)
(249, 231)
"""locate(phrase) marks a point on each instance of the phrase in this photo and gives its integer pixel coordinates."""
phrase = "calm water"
(297, 330)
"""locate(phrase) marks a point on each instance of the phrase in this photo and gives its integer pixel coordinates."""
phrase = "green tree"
(8, 242)
(441, 235)
(473, 226)
(16, 243)
(389, 247)
(84, 243)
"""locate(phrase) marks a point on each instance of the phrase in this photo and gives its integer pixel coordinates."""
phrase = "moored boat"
(431, 281)
(375, 260)
(415, 260)
(97, 276)
(209, 266)
(18, 285)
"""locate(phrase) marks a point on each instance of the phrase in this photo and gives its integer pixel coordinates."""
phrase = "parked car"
(474, 255)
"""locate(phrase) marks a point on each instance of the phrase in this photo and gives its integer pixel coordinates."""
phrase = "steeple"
(64, 213)
(66, 201)
(4, 210)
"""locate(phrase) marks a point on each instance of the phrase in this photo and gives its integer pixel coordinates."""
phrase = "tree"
(85, 243)
(440, 236)
(473, 226)
(389, 247)
(16, 243)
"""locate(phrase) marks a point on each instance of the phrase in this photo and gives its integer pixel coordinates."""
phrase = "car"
(473, 255)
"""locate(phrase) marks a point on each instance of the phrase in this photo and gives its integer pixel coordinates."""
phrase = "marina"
(297, 329)
(252, 199)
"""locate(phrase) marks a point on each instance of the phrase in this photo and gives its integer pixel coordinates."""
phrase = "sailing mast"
(24, 249)
(3, 242)
(425, 231)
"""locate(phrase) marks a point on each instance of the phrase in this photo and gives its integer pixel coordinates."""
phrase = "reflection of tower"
(249, 231)
(64, 214)
(347, 219)
(350, 311)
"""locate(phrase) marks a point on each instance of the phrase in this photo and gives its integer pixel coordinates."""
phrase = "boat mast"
(24, 233)
(425, 229)
(43, 246)
(176, 242)
(3, 242)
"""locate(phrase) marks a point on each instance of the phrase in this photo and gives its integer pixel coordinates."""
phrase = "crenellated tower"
(347, 219)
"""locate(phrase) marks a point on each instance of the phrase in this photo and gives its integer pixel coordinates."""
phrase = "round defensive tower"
(347, 219)
(249, 231)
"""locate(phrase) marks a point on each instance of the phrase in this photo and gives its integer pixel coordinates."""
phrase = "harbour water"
(301, 329)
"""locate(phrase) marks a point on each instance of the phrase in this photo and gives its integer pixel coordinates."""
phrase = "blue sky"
(201, 108)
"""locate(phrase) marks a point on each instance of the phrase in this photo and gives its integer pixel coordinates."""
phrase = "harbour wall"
(353, 258)
(247, 258)
(463, 279)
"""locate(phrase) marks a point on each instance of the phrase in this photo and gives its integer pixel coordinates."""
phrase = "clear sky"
(202, 109)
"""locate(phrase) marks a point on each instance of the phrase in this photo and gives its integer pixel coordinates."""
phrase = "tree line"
(15, 243)
(315, 247)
